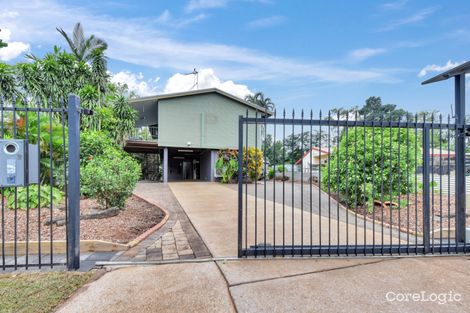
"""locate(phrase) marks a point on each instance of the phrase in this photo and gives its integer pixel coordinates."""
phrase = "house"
(188, 128)
(312, 159)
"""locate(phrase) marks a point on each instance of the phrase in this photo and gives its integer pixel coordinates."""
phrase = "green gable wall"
(207, 121)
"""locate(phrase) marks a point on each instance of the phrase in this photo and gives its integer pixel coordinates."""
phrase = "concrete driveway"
(425, 284)
(213, 210)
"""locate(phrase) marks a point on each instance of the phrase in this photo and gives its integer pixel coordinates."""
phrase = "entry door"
(187, 170)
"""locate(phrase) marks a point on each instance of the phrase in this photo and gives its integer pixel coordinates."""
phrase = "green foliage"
(94, 144)
(259, 99)
(253, 162)
(125, 117)
(227, 164)
(7, 81)
(361, 180)
(271, 173)
(33, 197)
(110, 178)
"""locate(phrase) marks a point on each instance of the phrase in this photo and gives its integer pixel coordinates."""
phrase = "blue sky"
(302, 54)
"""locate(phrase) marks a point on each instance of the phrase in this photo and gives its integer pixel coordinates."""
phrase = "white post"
(165, 165)
(213, 160)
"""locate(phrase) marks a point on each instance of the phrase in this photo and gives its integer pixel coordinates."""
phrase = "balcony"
(143, 140)
(144, 133)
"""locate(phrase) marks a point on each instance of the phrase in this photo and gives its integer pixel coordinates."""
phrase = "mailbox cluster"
(19, 164)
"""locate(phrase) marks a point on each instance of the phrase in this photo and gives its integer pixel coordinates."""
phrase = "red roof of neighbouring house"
(312, 149)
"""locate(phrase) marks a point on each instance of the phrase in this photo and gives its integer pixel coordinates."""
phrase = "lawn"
(38, 292)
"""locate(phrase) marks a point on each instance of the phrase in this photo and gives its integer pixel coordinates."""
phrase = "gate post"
(73, 186)
(426, 190)
(460, 157)
(240, 186)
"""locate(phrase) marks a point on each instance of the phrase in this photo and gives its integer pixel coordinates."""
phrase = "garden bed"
(410, 217)
(137, 217)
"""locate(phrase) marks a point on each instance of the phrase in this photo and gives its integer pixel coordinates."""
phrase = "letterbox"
(19, 163)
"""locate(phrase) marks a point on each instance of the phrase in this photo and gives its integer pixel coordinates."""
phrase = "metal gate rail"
(346, 184)
(50, 162)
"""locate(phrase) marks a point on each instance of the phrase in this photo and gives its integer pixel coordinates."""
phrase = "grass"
(38, 292)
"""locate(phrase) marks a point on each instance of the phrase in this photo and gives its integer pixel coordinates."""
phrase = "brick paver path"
(177, 239)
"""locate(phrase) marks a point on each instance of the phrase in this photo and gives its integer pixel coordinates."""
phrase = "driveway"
(426, 284)
(213, 210)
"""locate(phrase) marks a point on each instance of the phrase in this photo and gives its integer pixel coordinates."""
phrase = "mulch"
(136, 217)
(409, 216)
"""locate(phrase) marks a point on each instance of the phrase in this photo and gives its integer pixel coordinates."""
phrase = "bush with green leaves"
(43, 196)
(110, 178)
(359, 180)
(253, 162)
(227, 164)
(93, 144)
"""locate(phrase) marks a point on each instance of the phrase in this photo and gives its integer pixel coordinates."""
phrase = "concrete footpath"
(426, 284)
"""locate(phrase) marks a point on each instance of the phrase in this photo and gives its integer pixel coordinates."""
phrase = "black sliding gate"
(345, 184)
(39, 184)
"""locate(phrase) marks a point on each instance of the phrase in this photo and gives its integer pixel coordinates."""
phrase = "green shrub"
(227, 164)
(22, 196)
(364, 175)
(271, 173)
(254, 163)
(110, 178)
(93, 144)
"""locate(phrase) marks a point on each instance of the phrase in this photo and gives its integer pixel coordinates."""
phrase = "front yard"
(132, 221)
(39, 292)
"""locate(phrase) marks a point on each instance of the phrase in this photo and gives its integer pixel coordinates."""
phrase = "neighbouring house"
(312, 159)
(187, 129)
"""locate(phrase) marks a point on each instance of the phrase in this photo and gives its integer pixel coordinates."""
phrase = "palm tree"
(90, 50)
(3, 44)
(7, 82)
(83, 48)
(259, 99)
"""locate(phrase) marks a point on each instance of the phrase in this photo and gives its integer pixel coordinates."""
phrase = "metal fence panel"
(349, 185)
(45, 193)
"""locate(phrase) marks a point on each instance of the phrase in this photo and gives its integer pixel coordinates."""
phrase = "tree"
(361, 176)
(3, 44)
(273, 151)
(7, 81)
(372, 110)
(259, 99)
(84, 49)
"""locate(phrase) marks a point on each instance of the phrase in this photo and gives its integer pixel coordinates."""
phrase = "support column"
(165, 165)
(460, 156)
(213, 158)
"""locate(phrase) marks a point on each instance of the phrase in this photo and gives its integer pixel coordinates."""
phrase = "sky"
(311, 55)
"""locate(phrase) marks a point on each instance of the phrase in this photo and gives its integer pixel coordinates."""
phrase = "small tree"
(362, 179)
(253, 162)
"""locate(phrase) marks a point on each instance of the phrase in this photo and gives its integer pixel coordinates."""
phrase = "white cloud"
(206, 79)
(365, 53)
(136, 82)
(417, 17)
(205, 4)
(395, 5)
(437, 68)
(167, 19)
(14, 48)
(266, 22)
(139, 42)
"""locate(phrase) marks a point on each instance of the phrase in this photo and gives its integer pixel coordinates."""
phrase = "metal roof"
(148, 99)
(461, 69)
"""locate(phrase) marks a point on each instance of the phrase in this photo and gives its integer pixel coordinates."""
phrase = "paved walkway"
(273, 285)
(177, 239)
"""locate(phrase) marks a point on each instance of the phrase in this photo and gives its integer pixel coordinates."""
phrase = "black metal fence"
(40, 188)
(345, 184)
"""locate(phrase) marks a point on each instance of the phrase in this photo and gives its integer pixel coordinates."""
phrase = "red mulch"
(137, 217)
(410, 214)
